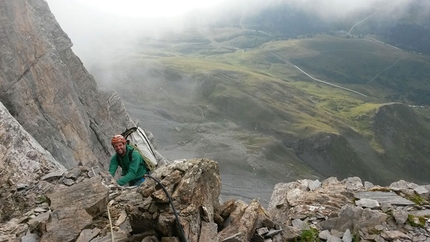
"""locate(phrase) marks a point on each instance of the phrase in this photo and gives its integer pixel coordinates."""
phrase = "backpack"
(137, 139)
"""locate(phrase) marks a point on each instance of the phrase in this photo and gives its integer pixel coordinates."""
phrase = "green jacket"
(131, 170)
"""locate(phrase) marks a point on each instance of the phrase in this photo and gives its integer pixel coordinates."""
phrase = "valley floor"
(239, 170)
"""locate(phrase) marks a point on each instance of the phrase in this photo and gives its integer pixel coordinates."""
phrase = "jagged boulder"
(248, 222)
(354, 218)
(194, 186)
(73, 209)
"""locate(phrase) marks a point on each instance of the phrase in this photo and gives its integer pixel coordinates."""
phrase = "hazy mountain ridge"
(405, 24)
(278, 114)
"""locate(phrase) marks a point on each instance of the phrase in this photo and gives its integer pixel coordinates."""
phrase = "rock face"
(194, 185)
(179, 202)
(47, 89)
(47, 92)
(72, 212)
(23, 162)
(342, 210)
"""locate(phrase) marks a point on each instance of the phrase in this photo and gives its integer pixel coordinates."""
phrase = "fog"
(99, 29)
(101, 33)
(97, 34)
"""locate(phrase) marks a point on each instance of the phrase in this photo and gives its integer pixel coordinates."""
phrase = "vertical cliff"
(45, 86)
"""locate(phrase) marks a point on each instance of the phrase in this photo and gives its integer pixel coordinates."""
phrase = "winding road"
(328, 83)
(359, 22)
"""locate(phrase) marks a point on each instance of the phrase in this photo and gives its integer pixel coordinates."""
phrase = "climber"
(131, 162)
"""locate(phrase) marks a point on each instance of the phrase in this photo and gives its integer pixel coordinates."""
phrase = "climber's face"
(119, 148)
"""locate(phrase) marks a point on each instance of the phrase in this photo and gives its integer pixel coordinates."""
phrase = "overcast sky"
(138, 8)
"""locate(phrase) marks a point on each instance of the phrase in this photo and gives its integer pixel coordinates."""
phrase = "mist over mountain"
(98, 35)
(275, 91)
(282, 120)
(401, 23)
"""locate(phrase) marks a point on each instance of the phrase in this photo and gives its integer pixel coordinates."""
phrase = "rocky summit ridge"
(54, 129)
(43, 201)
(180, 202)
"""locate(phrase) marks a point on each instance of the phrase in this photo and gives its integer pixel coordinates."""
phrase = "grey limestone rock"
(367, 203)
(401, 216)
(48, 91)
(384, 197)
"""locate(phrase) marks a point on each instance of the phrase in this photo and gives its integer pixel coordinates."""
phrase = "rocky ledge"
(180, 202)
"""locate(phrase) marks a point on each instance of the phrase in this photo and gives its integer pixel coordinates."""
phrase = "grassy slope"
(262, 91)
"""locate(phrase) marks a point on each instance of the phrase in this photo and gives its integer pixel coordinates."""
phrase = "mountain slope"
(253, 107)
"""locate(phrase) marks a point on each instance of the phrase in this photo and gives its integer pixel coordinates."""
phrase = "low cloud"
(97, 35)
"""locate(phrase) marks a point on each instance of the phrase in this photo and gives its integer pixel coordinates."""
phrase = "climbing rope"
(111, 227)
(178, 223)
